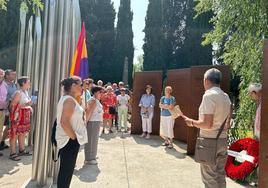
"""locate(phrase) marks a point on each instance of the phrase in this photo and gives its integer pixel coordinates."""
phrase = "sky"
(139, 8)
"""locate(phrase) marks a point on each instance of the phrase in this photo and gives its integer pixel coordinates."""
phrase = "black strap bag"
(112, 110)
(54, 142)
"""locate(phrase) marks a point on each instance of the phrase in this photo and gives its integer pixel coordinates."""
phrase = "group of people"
(81, 112)
(85, 107)
(15, 113)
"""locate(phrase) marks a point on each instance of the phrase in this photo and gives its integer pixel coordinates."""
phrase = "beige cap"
(257, 87)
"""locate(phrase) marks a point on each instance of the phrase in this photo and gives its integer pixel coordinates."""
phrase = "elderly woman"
(108, 100)
(20, 115)
(166, 104)
(254, 91)
(93, 126)
(71, 129)
(214, 113)
(147, 103)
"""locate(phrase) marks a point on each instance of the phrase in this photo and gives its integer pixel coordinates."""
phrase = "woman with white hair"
(254, 91)
(166, 104)
(109, 102)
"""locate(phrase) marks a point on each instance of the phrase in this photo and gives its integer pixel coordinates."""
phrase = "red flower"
(241, 171)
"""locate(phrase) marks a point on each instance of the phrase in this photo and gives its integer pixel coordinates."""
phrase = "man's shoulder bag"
(206, 148)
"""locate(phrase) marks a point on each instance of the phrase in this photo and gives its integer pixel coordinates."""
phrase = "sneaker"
(142, 135)
(3, 146)
(93, 162)
(148, 136)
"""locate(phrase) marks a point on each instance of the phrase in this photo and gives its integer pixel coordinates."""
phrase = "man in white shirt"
(214, 109)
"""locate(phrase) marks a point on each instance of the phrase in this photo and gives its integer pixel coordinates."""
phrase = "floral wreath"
(239, 171)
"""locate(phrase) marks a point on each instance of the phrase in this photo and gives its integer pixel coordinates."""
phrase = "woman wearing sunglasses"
(71, 129)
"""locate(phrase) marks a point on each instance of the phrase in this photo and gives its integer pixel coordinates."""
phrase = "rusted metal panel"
(179, 80)
(141, 79)
(263, 163)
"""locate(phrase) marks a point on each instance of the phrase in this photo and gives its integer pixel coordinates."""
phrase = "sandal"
(170, 146)
(24, 153)
(14, 157)
(165, 144)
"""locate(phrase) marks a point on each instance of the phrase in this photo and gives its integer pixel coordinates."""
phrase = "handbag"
(206, 148)
(112, 110)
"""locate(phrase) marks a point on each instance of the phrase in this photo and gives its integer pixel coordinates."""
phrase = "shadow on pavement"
(175, 153)
(9, 167)
(88, 173)
(153, 141)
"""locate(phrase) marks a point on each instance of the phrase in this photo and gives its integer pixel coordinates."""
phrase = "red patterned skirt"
(20, 121)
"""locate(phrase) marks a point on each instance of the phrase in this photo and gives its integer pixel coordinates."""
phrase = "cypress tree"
(173, 37)
(192, 52)
(154, 53)
(124, 41)
(9, 26)
(99, 16)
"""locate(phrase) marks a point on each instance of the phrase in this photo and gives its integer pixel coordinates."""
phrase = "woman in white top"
(71, 129)
(93, 126)
(122, 103)
(20, 116)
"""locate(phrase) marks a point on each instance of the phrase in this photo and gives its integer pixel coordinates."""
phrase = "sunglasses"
(78, 83)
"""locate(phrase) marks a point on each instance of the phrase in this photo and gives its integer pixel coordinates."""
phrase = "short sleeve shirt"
(217, 103)
(11, 89)
(123, 101)
(168, 101)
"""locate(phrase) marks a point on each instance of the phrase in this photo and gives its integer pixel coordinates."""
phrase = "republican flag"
(80, 65)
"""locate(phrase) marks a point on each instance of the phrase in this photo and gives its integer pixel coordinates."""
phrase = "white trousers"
(147, 123)
(167, 126)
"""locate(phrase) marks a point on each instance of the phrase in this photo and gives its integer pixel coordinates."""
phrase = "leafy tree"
(238, 30)
(124, 41)
(192, 52)
(25, 4)
(9, 21)
(138, 67)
